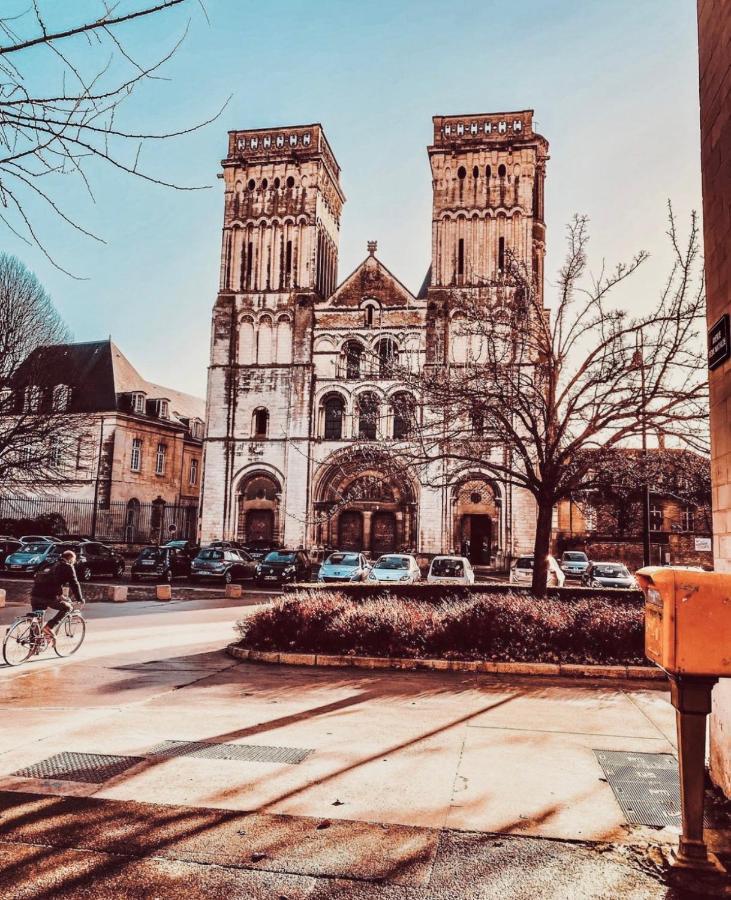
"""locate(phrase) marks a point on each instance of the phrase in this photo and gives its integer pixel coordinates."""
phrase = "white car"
(450, 570)
(395, 567)
(521, 572)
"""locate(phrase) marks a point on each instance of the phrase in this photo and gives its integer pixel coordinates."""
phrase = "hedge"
(500, 627)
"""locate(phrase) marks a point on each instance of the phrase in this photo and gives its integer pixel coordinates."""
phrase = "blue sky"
(614, 87)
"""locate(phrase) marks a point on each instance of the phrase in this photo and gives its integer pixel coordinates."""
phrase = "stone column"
(367, 516)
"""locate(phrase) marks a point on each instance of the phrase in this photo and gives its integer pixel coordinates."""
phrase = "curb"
(636, 673)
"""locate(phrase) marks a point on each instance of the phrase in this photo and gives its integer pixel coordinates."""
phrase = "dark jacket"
(47, 585)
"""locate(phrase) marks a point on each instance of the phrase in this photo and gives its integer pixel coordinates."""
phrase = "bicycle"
(25, 638)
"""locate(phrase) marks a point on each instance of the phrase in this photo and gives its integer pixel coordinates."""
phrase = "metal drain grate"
(91, 768)
(246, 752)
(646, 786)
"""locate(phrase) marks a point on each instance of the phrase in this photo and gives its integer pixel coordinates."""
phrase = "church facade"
(307, 418)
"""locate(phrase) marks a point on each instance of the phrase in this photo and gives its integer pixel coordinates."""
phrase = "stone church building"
(306, 421)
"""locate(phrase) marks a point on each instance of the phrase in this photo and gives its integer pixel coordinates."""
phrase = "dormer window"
(196, 429)
(138, 403)
(61, 397)
(163, 409)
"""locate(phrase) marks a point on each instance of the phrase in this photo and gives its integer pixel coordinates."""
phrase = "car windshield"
(447, 568)
(150, 553)
(35, 548)
(342, 559)
(392, 562)
(575, 557)
(525, 562)
(610, 572)
(210, 554)
(279, 556)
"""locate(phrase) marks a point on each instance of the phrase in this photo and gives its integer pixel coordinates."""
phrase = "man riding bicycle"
(48, 591)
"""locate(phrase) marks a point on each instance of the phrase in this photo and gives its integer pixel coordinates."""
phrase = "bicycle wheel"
(19, 642)
(70, 635)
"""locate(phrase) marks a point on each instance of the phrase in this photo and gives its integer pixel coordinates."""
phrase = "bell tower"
(488, 172)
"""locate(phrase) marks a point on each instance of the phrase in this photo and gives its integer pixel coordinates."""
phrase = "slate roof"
(100, 375)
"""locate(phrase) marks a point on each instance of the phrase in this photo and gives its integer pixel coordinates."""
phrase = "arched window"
(353, 357)
(261, 422)
(264, 350)
(488, 172)
(369, 315)
(284, 340)
(501, 171)
(461, 172)
(404, 415)
(387, 357)
(475, 173)
(290, 181)
(334, 408)
(246, 341)
(368, 413)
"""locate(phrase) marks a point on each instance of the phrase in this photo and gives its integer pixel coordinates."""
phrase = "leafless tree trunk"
(66, 121)
(542, 399)
(39, 433)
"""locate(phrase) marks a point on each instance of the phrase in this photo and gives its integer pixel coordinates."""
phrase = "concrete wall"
(714, 44)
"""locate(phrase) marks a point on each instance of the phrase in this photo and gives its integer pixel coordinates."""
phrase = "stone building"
(714, 40)
(306, 421)
(138, 456)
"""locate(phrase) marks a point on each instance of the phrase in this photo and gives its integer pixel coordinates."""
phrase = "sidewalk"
(333, 782)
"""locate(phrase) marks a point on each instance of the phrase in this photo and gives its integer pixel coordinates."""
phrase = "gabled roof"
(99, 374)
(371, 278)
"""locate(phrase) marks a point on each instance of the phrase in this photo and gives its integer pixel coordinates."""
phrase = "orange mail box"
(687, 620)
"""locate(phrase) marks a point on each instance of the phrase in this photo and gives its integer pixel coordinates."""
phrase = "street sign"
(719, 342)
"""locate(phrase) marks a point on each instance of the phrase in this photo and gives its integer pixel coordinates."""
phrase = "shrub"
(505, 627)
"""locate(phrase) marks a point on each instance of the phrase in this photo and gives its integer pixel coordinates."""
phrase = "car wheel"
(85, 573)
(119, 571)
(228, 577)
(167, 576)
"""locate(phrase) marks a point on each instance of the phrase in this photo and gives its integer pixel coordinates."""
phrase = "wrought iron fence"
(116, 522)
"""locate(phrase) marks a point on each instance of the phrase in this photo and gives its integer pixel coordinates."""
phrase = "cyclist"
(47, 591)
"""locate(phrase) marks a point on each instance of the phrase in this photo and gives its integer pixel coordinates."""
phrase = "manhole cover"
(245, 752)
(646, 786)
(92, 768)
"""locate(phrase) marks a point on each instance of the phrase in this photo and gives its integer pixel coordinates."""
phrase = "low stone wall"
(435, 593)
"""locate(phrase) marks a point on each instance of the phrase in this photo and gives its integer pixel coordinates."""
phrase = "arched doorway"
(476, 520)
(132, 520)
(365, 502)
(258, 509)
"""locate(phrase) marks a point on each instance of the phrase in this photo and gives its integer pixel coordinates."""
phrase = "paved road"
(332, 783)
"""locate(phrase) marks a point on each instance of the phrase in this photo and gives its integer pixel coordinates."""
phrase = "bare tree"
(541, 399)
(39, 433)
(66, 121)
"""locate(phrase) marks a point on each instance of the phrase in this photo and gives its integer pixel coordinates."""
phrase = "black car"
(224, 563)
(8, 546)
(259, 549)
(160, 563)
(93, 560)
(188, 549)
(283, 565)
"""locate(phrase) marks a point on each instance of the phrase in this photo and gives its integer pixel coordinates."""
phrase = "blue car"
(344, 567)
(28, 559)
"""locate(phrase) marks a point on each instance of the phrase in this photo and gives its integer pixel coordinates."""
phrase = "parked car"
(28, 558)
(227, 545)
(160, 563)
(283, 565)
(93, 560)
(188, 549)
(450, 570)
(258, 549)
(8, 546)
(608, 575)
(226, 564)
(343, 566)
(39, 539)
(395, 567)
(521, 572)
(574, 563)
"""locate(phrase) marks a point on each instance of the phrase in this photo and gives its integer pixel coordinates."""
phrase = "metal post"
(639, 360)
(691, 698)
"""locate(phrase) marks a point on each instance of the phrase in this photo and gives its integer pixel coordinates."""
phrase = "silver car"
(608, 575)
(395, 567)
(344, 567)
